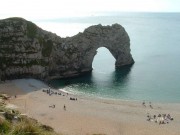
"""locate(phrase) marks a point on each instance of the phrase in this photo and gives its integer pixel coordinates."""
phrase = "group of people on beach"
(51, 92)
(150, 105)
(160, 118)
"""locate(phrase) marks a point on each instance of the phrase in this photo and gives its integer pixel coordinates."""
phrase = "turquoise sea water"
(155, 47)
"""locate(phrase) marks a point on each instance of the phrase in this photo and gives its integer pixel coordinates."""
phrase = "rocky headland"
(29, 51)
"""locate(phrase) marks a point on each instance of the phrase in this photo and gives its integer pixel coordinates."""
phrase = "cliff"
(28, 51)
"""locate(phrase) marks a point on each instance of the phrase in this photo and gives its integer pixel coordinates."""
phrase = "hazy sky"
(46, 9)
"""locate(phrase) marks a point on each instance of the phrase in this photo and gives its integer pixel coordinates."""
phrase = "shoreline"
(91, 96)
(89, 116)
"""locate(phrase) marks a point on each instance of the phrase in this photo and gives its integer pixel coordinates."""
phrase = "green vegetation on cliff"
(31, 29)
(47, 48)
(13, 123)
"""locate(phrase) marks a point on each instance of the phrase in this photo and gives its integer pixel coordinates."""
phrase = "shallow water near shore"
(155, 48)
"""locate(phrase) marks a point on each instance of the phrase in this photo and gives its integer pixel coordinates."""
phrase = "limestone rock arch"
(29, 51)
(114, 38)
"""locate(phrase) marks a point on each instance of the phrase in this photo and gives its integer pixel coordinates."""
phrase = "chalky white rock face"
(28, 51)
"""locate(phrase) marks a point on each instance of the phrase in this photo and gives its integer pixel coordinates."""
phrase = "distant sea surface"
(155, 47)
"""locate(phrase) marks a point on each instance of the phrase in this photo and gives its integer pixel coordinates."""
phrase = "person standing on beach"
(64, 107)
(150, 105)
(144, 104)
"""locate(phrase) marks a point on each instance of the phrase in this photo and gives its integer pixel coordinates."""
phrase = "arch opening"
(103, 61)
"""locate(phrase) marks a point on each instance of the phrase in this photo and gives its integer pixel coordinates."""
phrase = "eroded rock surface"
(28, 51)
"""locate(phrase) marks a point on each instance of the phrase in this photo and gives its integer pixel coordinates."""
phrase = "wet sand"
(88, 116)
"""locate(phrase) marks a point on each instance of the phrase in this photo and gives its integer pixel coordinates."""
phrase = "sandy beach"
(88, 116)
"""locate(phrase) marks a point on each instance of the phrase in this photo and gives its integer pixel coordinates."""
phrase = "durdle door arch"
(29, 51)
(114, 38)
